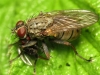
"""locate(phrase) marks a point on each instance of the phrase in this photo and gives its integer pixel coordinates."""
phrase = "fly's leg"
(69, 44)
(10, 45)
(15, 58)
(37, 56)
(13, 44)
(43, 58)
(29, 44)
(34, 71)
(24, 58)
(46, 51)
(22, 46)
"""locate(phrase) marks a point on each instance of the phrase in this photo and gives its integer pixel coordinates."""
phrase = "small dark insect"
(57, 26)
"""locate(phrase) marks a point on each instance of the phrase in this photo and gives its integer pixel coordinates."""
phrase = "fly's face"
(20, 29)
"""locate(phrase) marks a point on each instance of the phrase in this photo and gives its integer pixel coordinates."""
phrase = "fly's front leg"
(21, 47)
(29, 44)
(69, 44)
(15, 58)
(15, 43)
(10, 45)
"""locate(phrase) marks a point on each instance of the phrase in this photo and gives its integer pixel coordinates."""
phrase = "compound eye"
(21, 32)
(20, 23)
(20, 29)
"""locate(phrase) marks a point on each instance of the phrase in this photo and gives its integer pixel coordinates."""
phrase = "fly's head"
(20, 29)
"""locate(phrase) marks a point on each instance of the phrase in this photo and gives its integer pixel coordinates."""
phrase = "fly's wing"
(71, 19)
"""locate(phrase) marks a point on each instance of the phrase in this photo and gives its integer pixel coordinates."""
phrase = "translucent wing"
(71, 19)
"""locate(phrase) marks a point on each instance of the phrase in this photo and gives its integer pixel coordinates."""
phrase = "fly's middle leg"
(46, 51)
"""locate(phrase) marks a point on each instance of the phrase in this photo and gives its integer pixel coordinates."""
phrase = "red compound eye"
(21, 32)
(20, 23)
(20, 29)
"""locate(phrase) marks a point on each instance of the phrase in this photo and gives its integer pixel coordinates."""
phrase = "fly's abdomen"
(69, 35)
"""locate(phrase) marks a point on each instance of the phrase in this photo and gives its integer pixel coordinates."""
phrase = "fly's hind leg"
(69, 44)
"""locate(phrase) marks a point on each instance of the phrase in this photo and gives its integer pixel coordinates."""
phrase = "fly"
(57, 26)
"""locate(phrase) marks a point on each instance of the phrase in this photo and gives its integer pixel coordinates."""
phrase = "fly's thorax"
(36, 25)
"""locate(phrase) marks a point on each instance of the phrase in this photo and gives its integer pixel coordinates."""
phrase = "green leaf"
(63, 60)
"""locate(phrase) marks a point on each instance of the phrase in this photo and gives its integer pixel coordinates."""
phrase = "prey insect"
(57, 26)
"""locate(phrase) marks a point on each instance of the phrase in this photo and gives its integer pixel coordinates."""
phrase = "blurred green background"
(63, 61)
